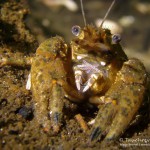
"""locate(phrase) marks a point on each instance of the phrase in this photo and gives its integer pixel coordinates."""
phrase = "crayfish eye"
(116, 38)
(76, 30)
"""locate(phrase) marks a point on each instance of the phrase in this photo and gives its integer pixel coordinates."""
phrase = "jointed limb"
(125, 97)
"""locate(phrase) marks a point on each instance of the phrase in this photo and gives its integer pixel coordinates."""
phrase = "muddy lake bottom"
(19, 129)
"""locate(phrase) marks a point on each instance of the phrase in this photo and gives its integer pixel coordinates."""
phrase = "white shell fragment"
(143, 7)
(114, 27)
(69, 4)
(126, 21)
(28, 84)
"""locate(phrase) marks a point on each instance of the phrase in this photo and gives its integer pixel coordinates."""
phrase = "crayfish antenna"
(108, 11)
(83, 14)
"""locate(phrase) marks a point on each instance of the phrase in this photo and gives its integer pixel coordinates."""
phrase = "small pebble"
(143, 8)
(25, 112)
(127, 21)
(114, 27)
